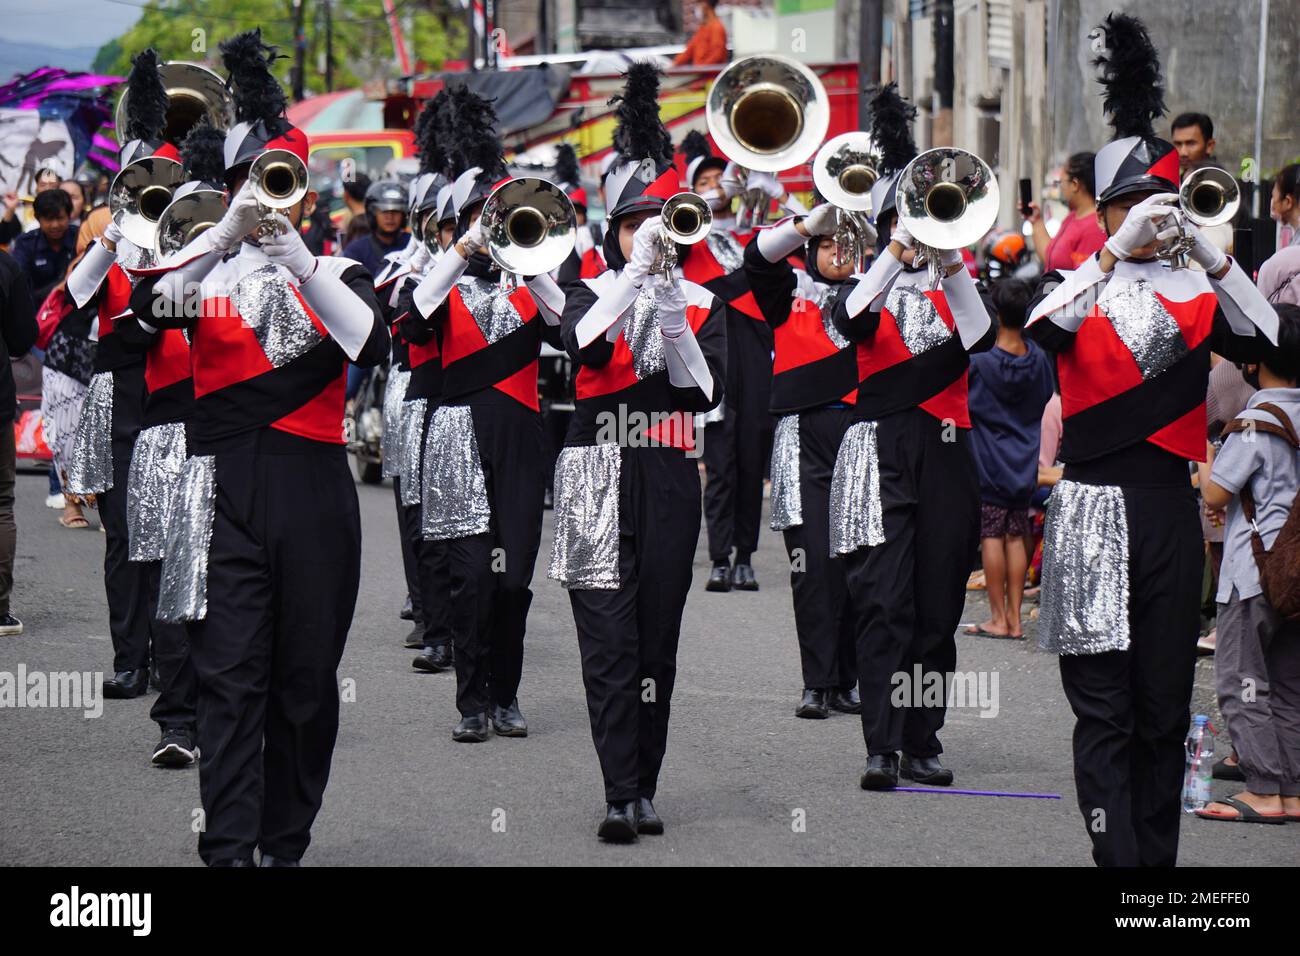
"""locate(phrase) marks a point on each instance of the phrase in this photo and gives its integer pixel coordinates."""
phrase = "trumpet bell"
(187, 218)
(140, 194)
(767, 112)
(686, 218)
(1209, 196)
(844, 170)
(193, 91)
(278, 178)
(529, 226)
(947, 198)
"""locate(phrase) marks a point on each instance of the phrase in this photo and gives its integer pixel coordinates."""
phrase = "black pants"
(283, 571)
(1131, 707)
(177, 703)
(908, 593)
(130, 621)
(8, 527)
(822, 615)
(408, 531)
(628, 637)
(491, 573)
(428, 575)
(736, 449)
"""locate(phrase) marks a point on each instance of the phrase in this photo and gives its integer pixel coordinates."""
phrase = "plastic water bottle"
(1200, 754)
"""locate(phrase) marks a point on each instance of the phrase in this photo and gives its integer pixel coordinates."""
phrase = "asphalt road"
(741, 775)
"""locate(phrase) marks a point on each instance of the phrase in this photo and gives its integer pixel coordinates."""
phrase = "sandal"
(75, 523)
(1245, 813)
(1227, 771)
(976, 630)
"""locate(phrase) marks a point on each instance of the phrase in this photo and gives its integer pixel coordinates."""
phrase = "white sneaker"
(10, 626)
(56, 502)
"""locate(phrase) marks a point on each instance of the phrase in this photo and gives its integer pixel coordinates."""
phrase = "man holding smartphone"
(1080, 235)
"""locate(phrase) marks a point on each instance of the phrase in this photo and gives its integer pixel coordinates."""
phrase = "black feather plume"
(146, 104)
(202, 153)
(430, 135)
(566, 165)
(1130, 76)
(891, 127)
(475, 124)
(257, 93)
(640, 133)
(694, 145)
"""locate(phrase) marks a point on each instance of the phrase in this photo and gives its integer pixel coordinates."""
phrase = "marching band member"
(1122, 548)
(483, 453)
(814, 384)
(114, 408)
(904, 496)
(627, 506)
(263, 556)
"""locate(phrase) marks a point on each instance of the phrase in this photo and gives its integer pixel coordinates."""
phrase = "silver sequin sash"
(857, 517)
(726, 250)
(1145, 327)
(491, 307)
(1084, 604)
(642, 335)
(269, 305)
(411, 438)
(787, 502)
(920, 325)
(391, 439)
(584, 554)
(455, 492)
(183, 594)
(91, 469)
(156, 465)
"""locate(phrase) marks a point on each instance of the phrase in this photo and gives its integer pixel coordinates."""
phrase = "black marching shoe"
(742, 578)
(408, 610)
(812, 705)
(845, 700)
(881, 772)
(647, 821)
(508, 721)
(127, 684)
(434, 659)
(415, 640)
(176, 749)
(269, 860)
(471, 730)
(926, 770)
(620, 823)
(719, 578)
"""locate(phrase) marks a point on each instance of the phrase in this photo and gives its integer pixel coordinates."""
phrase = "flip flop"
(1227, 771)
(74, 524)
(975, 630)
(1245, 813)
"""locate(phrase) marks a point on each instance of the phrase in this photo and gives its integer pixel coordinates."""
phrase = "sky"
(67, 23)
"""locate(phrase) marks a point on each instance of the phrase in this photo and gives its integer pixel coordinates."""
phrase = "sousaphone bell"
(844, 170)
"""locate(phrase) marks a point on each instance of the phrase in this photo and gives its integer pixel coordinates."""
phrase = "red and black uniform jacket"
(419, 340)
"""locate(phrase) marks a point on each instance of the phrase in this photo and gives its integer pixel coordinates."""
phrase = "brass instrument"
(529, 227)
(844, 170)
(684, 220)
(193, 91)
(947, 198)
(187, 217)
(278, 179)
(140, 194)
(766, 113)
(1207, 197)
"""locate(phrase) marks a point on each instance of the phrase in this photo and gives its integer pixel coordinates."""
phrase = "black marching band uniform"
(651, 353)
(1122, 547)
(904, 496)
(814, 386)
(482, 456)
(264, 552)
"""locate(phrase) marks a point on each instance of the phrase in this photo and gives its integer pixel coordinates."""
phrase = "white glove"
(794, 206)
(1142, 225)
(948, 257)
(901, 236)
(645, 248)
(112, 235)
(731, 185)
(420, 260)
(670, 302)
(821, 221)
(765, 182)
(472, 241)
(285, 247)
(240, 219)
(1205, 253)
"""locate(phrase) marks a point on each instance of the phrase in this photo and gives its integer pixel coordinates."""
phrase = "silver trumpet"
(140, 194)
(684, 220)
(947, 198)
(529, 227)
(1207, 197)
(766, 113)
(187, 218)
(844, 170)
(278, 179)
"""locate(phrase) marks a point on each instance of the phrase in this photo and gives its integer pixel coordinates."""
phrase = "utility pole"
(329, 47)
(299, 49)
(543, 27)
(870, 39)
(944, 73)
(470, 36)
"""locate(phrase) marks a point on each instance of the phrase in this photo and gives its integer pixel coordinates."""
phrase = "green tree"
(363, 49)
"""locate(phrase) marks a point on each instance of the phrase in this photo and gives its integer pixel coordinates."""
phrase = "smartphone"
(1026, 194)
